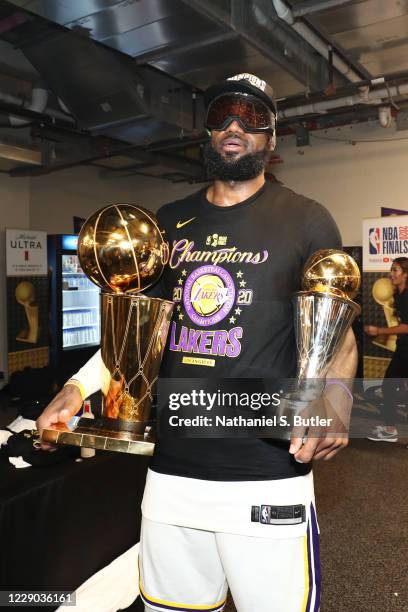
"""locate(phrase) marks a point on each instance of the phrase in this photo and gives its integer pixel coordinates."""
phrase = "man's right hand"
(64, 406)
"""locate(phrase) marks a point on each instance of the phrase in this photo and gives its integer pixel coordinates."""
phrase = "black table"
(60, 524)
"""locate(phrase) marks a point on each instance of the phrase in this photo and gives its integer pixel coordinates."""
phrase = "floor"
(363, 514)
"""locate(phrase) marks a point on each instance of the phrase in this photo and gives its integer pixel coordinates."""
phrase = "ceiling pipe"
(284, 12)
(313, 6)
(38, 104)
(64, 107)
(385, 116)
(365, 96)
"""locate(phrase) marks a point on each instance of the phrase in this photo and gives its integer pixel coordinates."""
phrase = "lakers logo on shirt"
(209, 295)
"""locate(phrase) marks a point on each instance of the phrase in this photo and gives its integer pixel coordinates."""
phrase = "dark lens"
(263, 117)
(253, 114)
(218, 112)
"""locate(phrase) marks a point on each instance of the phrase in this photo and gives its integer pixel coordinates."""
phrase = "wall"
(57, 197)
(14, 213)
(352, 181)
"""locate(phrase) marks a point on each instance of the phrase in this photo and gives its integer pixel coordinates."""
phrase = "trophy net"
(134, 336)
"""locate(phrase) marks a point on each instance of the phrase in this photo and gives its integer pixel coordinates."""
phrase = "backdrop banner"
(384, 239)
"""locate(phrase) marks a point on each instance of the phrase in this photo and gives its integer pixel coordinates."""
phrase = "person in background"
(398, 368)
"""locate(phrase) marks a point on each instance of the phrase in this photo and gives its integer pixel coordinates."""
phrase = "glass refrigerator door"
(80, 306)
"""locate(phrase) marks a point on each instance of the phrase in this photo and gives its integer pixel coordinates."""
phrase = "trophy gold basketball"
(121, 249)
(324, 311)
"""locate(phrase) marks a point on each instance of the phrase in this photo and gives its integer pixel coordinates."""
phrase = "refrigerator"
(74, 308)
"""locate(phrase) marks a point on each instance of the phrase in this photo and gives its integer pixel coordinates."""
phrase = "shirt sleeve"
(321, 230)
(91, 374)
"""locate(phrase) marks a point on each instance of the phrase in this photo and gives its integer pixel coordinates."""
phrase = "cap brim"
(237, 87)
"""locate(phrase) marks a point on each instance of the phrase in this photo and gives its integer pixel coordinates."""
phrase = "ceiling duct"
(285, 13)
(107, 94)
(104, 90)
(98, 88)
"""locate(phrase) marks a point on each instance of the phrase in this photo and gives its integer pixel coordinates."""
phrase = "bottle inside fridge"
(80, 306)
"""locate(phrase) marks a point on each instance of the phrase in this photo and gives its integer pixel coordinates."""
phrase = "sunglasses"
(252, 114)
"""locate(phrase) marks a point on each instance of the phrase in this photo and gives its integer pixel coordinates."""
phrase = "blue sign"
(69, 242)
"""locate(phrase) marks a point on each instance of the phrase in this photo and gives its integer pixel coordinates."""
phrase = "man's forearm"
(90, 375)
(340, 376)
(344, 365)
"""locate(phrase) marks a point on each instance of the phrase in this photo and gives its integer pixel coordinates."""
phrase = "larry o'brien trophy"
(323, 311)
(121, 249)
(383, 293)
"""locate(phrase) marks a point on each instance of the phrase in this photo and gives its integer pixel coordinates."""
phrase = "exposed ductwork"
(385, 116)
(306, 7)
(37, 104)
(364, 96)
(285, 13)
(273, 39)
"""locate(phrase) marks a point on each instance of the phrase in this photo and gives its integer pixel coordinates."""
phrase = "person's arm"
(69, 400)
(336, 403)
(374, 330)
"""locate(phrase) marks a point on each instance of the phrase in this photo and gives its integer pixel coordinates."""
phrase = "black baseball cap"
(243, 83)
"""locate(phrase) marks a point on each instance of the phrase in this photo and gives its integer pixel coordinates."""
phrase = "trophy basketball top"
(121, 248)
(332, 272)
(383, 291)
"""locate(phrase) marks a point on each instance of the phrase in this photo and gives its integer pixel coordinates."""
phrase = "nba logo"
(374, 240)
(265, 514)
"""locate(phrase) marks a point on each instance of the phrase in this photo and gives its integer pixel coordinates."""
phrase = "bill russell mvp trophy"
(121, 249)
(324, 311)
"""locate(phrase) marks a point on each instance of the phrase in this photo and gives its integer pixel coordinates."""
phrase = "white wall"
(352, 181)
(57, 197)
(14, 213)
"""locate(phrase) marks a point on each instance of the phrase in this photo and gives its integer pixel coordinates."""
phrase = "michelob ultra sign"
(26, 252)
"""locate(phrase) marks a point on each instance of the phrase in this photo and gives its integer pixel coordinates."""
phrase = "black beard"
(245, 168)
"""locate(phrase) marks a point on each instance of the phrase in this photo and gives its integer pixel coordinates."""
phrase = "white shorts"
(273, 568)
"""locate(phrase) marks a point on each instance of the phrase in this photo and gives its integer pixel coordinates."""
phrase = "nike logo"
(183, 223)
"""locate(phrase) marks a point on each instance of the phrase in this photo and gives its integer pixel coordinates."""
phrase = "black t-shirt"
(232, 273)
(401, 307)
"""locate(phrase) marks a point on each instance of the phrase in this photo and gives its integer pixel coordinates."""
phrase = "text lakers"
(219, 342)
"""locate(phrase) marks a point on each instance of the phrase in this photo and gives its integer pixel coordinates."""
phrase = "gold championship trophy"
(25, 295)
(324, 311)
(383, 293)
(121, 249)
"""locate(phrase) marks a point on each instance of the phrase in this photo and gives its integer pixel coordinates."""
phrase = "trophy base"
(91, 434)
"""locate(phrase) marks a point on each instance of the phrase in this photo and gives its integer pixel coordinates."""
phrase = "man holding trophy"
(236, 513)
